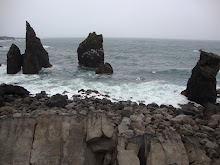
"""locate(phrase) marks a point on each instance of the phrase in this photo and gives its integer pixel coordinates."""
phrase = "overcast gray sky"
(184, 19)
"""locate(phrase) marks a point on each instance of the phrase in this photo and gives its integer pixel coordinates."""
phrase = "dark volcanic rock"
(35, 56)
(1, 102)
(14, 60)
(14, 90)
(201, 86)
(57, 100)
(90, 51)
(104, 69)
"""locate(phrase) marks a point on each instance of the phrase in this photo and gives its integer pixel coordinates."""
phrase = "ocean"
(145, 70)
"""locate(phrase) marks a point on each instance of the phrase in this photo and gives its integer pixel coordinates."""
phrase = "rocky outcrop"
(100, 132)
(201, 86)
(14, 60)
(13, 90)
(35, 56)
(104, 69)
(90, 51)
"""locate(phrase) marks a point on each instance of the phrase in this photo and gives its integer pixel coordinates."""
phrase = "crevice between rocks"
(32, 145)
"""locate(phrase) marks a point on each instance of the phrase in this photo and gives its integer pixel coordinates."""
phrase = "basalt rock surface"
(13, 90)
(104, 69)
(90, 51)
(14, 60)
(93, 131)
(35, 56)
(201, 86)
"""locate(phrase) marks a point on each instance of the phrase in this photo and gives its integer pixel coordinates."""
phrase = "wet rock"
(201, 86)
(13, 90)
(14, 60)
(57, 100)
(104, 69)
(35, 56)
(90, 51)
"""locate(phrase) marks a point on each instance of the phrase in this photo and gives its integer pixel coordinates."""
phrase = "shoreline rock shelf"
(97, 131)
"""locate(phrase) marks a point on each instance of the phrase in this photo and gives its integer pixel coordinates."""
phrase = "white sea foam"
(147, 92)
(45, 46)
(196, 51)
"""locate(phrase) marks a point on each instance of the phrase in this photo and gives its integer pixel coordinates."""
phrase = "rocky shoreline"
(111, 132)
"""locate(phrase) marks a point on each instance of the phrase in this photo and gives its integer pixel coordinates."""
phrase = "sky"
(174, 19)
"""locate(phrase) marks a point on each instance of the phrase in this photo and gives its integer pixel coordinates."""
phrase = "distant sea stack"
(14, 60)
(201, 86)
(90, 51)
(35, 56)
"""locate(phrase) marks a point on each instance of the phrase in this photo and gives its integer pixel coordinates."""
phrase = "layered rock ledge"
(91, 131)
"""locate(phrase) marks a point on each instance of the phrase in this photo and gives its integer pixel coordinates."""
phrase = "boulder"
(104, 69)
(35, 56)
(90, 51)
(57, 100)
(201, 86)
(14, 60)
(14, 90)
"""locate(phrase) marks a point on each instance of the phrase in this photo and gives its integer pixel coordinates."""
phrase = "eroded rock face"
(14, 60)
(90, 51)
(201, 86)
(104, 69)
(35, 56)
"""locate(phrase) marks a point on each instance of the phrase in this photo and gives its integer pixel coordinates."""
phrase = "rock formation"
(94, 131)
(14, 60)
(35, 56)
(13, 90)
(90, 51)
(104, 69)
(57, 100)
(201, 86)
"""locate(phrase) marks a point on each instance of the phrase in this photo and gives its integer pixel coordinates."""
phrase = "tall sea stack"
(201, 86)
(90, 51)
(14, 60)
(35, 56)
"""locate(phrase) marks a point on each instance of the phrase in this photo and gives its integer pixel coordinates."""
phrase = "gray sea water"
(145, 70)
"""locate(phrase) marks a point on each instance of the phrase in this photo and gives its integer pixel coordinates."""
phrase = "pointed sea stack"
(201, 86)
(14, 60)
(90, 51)
(35, 56)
